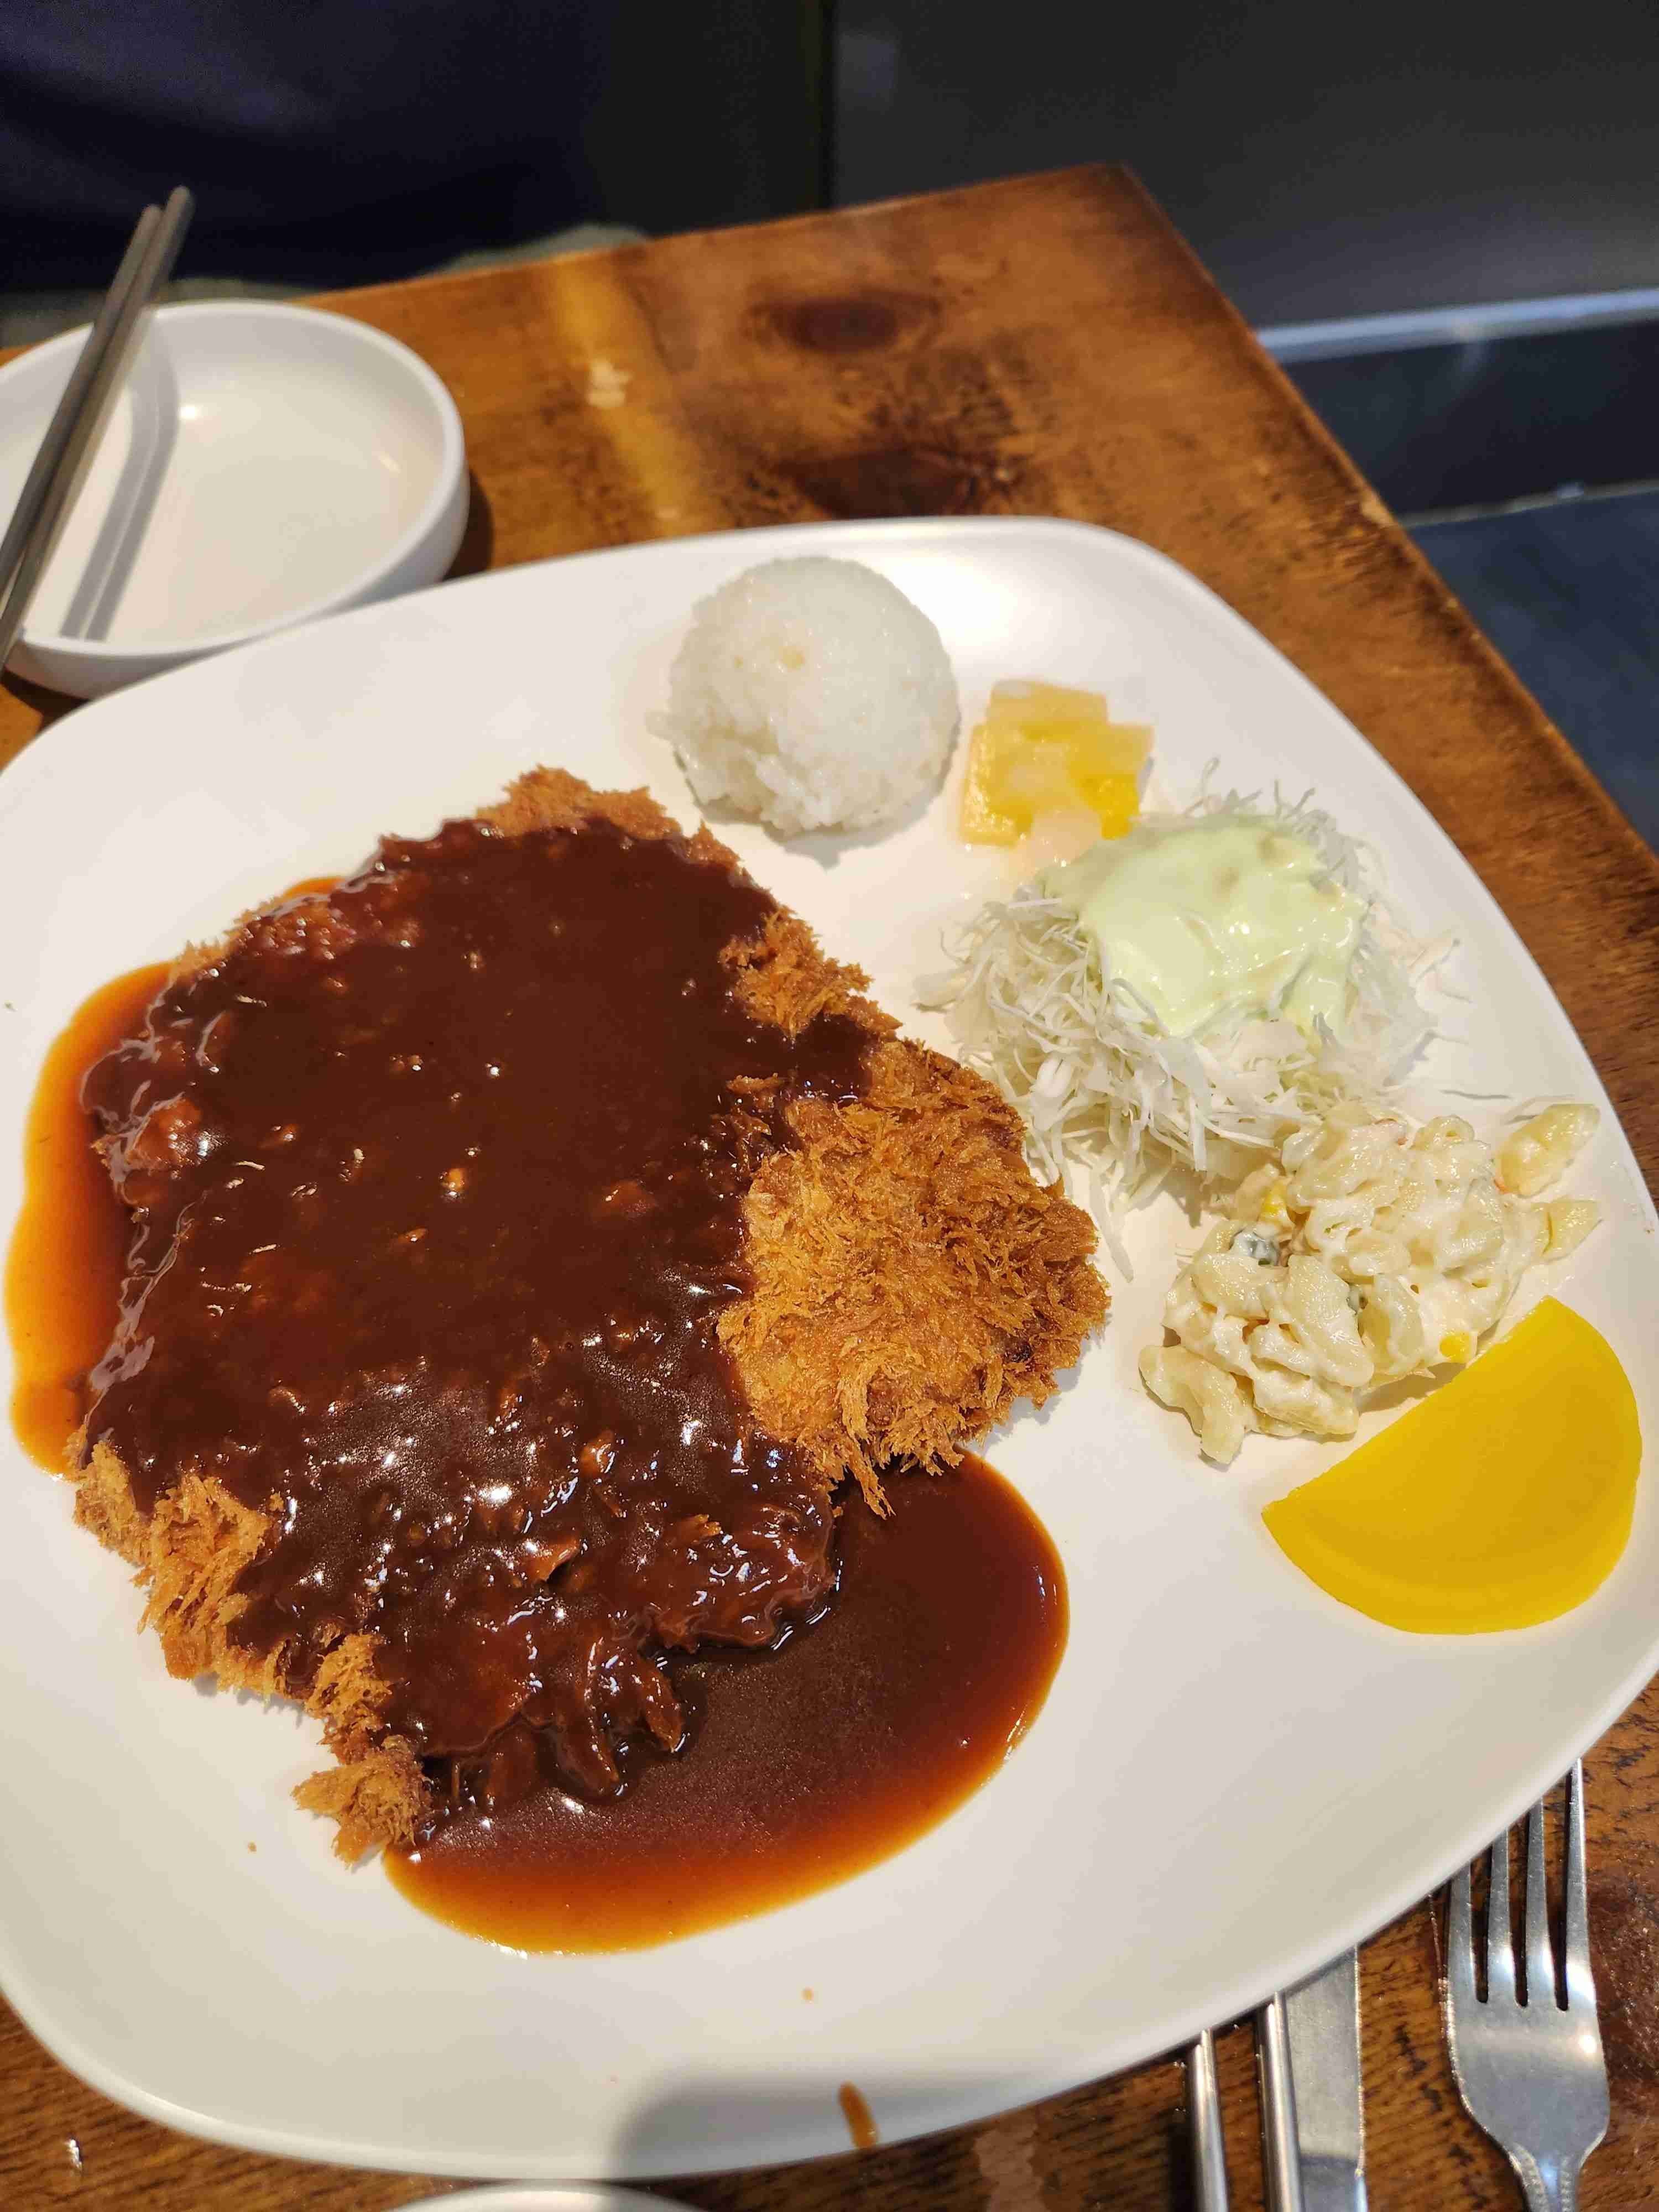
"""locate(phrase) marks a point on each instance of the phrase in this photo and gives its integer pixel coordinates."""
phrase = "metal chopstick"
(1280, 2155)
(59, 429)
(1204, 2125)
(59, 467)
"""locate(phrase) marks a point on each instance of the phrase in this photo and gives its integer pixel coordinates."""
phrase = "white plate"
(262, 463)
(1233, 1776)
(547, 2200)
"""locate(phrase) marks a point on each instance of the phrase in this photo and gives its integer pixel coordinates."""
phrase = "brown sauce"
(68, 1252)
(808, 1764)
(860, 2120)
(63, 1269)
(436, 1182)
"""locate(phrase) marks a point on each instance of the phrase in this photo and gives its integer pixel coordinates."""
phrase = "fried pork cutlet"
(529, 1234)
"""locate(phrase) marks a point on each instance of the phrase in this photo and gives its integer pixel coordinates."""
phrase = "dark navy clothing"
(370, 134)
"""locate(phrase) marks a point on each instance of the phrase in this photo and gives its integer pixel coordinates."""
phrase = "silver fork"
(1532, 2074)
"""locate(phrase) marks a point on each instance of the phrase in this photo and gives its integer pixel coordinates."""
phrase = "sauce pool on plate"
(808, 1763)
(63, 1270)
(64, 1266)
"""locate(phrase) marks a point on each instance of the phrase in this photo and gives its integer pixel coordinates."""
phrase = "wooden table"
(1046, 346)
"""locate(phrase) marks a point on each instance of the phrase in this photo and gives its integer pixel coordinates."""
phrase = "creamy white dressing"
(1218, 917)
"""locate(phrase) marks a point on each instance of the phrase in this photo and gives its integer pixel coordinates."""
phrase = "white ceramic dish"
(262, 464)
(1233, 1776)
(547, 2200)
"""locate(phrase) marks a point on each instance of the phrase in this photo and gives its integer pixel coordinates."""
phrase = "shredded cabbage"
(1101, 1085)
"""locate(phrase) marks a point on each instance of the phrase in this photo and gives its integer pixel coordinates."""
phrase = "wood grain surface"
(1043, 346)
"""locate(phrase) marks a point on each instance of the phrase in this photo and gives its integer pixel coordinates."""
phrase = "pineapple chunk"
(1042, 749)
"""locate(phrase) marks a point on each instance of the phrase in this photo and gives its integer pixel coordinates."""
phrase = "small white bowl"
(263, 464)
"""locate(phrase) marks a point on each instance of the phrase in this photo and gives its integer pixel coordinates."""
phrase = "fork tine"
(1581, 1987)
(1460, 1943)
(1540, 1965)
(1500, 1948)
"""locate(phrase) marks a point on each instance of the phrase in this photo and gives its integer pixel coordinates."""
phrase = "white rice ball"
(813, 695)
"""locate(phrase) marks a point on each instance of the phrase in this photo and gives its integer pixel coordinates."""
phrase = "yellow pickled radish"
(1044, 749)
(1502, 1500)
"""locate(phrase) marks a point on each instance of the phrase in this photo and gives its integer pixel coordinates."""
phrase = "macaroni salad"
(1368, 1252)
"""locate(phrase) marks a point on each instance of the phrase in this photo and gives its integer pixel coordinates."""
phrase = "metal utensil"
(1204, 2125)
(1530, 2071)
(1281, 2161)
(1312, 2124)
(1321, 2020)
(59, 467)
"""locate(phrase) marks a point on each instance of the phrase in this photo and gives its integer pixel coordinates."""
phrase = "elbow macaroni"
(1544, 1148)
(1368, 1252)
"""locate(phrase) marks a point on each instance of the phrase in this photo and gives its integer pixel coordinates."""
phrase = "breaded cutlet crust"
(911, 1281)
